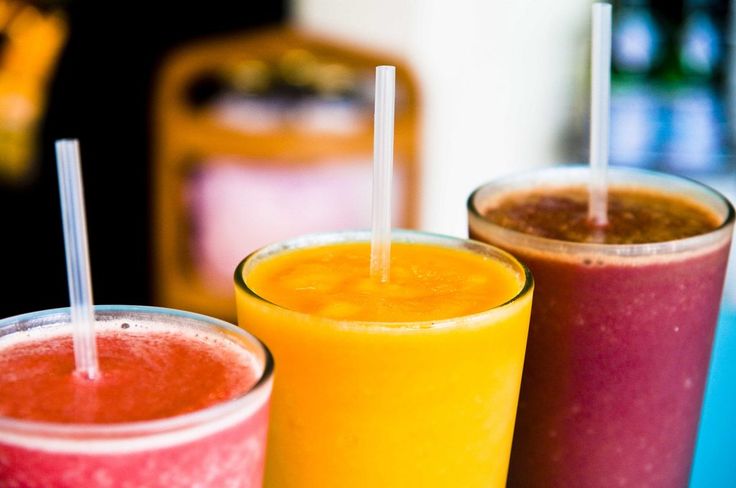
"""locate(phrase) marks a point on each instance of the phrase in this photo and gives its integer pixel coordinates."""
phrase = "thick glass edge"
(397, 235)
(627, 175)
(141, 429)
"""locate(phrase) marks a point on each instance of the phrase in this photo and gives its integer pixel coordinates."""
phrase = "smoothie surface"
(426, 283)
(144, 376)
(635, 216)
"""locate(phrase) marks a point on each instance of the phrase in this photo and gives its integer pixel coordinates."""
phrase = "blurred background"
(212, 128)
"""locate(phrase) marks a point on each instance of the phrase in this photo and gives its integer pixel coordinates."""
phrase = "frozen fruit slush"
(181, 401)
(622, 323)
(413, 382)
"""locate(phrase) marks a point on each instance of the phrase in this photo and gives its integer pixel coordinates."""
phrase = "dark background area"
(101, 94)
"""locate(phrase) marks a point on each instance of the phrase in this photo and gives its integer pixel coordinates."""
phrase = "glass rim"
(623, 176)
(397, 235)
(125, 431)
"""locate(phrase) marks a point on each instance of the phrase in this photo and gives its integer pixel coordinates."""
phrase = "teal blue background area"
(715, 454)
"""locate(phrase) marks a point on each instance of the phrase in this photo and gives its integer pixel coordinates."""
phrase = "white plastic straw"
(599, 113)
(383, 161)
(77, 257)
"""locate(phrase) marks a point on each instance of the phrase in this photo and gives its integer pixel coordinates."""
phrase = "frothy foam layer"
(635, 216)
(600, 254)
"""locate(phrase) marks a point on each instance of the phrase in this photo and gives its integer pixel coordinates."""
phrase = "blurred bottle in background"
(669, 103)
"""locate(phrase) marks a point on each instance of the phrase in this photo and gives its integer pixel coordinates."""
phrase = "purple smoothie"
(620, 337)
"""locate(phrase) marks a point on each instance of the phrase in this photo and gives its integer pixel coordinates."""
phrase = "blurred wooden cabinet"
(262, 137)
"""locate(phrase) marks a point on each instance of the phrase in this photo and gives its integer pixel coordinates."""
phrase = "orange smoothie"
(413, 382)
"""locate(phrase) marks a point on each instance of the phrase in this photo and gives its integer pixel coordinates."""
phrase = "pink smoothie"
(176, 405)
